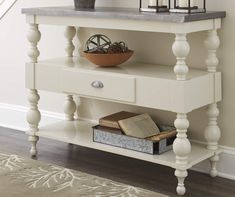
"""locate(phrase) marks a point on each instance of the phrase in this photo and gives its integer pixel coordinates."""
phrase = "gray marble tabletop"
(123, 13)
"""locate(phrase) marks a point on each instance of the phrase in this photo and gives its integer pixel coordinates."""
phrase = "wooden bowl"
(108, 59)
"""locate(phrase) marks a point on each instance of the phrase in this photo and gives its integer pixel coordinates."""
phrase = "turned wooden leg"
(181, 145)
(79, 44)
(212, 131)
(212, 135)
(33, 139)
(212, 44)
(181, 50)
(69, 108)
(33, 118)
(69, 34)
(33, 115)
(33, 37)
(213, 162)
(182, 149)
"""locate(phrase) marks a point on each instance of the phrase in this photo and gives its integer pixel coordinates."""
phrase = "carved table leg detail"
(79, 45)
(33, 139)
(70, 105)
(212, 135)
(181, 50)
(181, 175)
(212, 44)
(182, 149)
(69, 34)
(33, 115)
(33, 37)
(69, 108)
(213, 162)
(212, 131)
(33, 118)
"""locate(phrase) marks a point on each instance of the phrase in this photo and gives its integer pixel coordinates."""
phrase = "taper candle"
(154, 2)
(184, 3)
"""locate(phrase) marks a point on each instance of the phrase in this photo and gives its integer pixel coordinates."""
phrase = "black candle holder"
(189, 9)
(157, 8)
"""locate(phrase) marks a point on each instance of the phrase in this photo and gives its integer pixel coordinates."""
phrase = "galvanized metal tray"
(114, 137)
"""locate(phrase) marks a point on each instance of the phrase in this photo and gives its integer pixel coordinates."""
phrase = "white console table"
(181, 91)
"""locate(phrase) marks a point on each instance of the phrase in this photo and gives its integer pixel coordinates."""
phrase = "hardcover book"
(112, 120)
(163, 135)
(108, 129)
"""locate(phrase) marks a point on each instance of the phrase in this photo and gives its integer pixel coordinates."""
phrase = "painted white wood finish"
(181, 50)
(13, 116)
(79, 43)
(70, 105)
(70, 33)
(181, 145)
(33, 118)
(33, 36)
(33, 115)
(122, 24)
(181, 148)
(80, 132)
(212, 44)
(180, 91)
(69, 108)
(116, 87)
(126, 84)
(212, 131)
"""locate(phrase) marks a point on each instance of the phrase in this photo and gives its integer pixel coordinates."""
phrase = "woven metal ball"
(98, 43)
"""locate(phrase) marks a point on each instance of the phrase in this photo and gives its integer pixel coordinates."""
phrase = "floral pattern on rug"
(37, 175)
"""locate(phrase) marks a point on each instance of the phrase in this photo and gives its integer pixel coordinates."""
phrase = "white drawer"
(98, 84)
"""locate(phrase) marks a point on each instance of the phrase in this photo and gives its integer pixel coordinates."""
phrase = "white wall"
(149, 47)
(14, 47)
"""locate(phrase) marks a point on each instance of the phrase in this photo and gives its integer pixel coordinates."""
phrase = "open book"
(140, 126)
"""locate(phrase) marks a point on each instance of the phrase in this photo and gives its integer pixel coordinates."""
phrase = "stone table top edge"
(123, 13)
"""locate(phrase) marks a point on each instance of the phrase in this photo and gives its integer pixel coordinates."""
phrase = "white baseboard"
(14, 117)
(225, 165)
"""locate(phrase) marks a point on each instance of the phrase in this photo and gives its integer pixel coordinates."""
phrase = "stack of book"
(135, 132)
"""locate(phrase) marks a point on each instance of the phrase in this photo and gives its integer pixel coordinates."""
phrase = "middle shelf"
(140, 84)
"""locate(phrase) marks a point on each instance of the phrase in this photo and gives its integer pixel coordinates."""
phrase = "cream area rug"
(30, 178)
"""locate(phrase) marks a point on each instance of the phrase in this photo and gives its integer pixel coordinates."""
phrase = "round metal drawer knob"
(97, 84)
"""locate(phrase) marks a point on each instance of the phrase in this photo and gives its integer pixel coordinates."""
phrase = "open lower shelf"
(80, 133)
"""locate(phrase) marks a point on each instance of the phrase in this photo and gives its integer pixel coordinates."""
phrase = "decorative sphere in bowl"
(108, 59)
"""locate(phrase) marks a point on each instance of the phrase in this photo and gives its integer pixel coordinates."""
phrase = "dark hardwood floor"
(131, 171)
